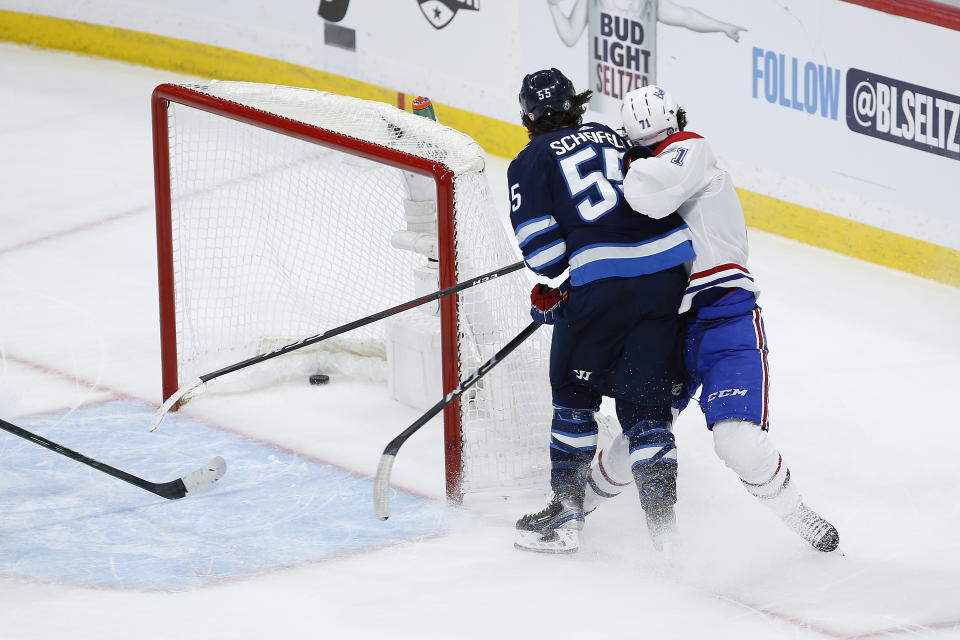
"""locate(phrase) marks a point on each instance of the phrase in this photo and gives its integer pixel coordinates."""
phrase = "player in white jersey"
(725, 346)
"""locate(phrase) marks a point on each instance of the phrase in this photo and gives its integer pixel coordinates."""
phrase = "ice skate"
(662, 525)
(555, 529)
(808, 524)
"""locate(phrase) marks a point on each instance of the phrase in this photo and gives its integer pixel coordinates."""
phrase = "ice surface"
(67, 522)
(862, 364)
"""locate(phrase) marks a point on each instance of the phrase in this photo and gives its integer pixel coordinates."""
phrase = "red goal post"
(400, 141)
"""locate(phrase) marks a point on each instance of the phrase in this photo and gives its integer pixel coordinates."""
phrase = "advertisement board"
(815, 106)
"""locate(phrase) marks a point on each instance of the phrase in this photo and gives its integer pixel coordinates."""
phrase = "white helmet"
(649, 115)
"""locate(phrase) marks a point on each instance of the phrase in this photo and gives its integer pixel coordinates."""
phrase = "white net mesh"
(276, 238)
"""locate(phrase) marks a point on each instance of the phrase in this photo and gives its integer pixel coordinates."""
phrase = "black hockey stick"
(188, 484)
(305, 342)
(381, 482)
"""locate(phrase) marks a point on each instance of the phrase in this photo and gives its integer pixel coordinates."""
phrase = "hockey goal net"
(275, 210)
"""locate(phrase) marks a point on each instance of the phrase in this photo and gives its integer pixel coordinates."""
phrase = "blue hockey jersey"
(568, 210)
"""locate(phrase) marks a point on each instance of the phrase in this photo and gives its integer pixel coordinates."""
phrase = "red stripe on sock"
(603, 472)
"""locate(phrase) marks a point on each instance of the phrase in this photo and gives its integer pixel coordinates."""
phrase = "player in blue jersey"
(725, 345)
(614, 319)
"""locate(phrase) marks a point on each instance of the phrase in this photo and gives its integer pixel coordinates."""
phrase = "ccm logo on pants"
(726, 393)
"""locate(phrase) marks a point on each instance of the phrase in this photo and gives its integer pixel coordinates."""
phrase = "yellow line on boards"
(496, 137)
(173, 54)
(851, 238)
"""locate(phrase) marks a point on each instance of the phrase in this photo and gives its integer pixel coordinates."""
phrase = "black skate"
(556, 529)
(808, 524)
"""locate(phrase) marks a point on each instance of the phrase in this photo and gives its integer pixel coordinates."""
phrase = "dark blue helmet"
(545, 92)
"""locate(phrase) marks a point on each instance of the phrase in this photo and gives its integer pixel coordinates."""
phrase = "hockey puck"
(319, 378)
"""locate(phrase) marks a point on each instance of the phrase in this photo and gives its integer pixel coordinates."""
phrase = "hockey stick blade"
(173, 490)
(179, 394)
(205, 476)
(170, 402)
(381, 482)
(192, 482)
(381, 486)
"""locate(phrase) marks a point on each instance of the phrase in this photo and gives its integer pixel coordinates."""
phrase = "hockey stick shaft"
(172, 490)
(356, 324)
(381, 482)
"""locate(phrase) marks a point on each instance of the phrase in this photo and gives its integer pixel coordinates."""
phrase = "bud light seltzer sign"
(903, 113)
(622, 46)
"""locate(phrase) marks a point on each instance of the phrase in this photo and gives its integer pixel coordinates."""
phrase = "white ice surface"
(861, 359)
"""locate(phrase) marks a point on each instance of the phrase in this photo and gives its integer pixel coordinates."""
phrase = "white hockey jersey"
(682, 175)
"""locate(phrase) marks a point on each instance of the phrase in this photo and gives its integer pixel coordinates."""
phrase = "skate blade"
(669, 548)
(554, 541)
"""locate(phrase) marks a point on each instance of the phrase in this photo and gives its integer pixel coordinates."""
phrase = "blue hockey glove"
(546, 304)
